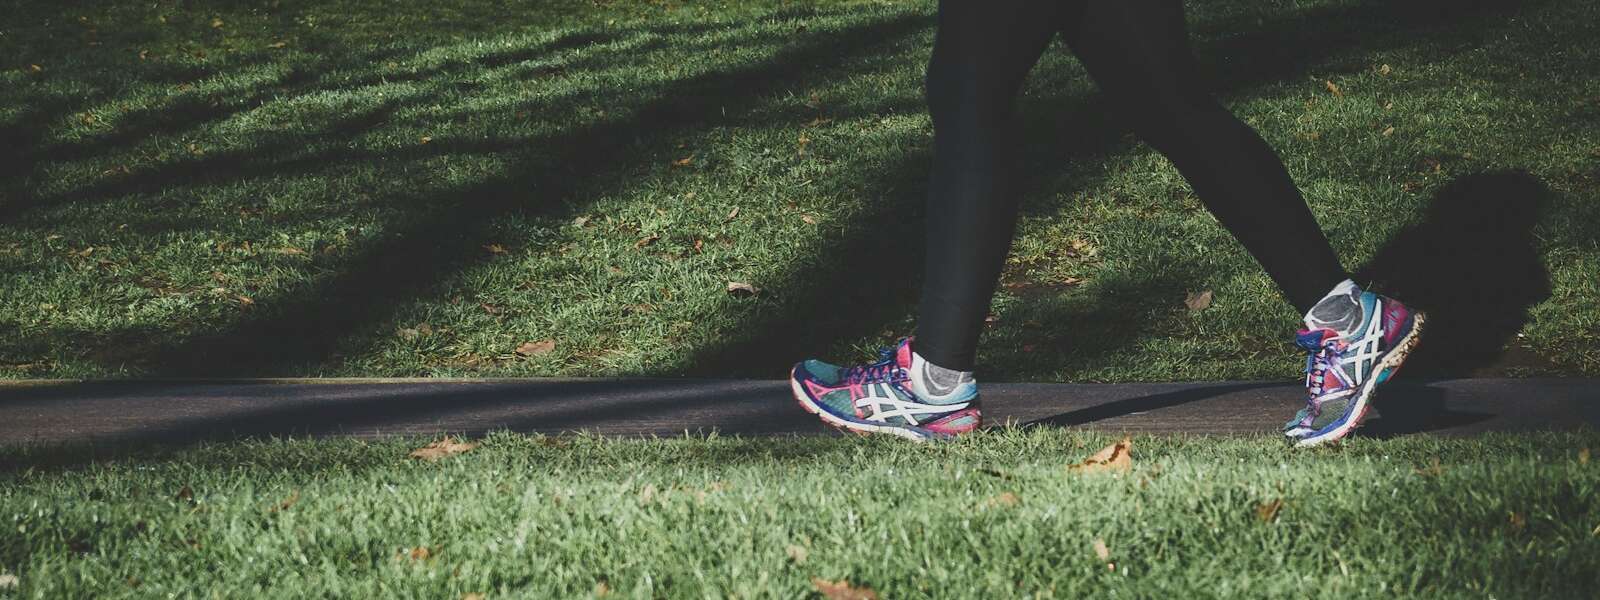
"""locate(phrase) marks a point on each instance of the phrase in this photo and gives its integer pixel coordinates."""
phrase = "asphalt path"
(180, 411)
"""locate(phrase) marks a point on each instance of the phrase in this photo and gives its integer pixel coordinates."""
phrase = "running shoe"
(892, 396)
(1343, 370)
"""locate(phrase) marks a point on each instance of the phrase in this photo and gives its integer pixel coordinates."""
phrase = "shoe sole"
(916, 434)
(1386, 369)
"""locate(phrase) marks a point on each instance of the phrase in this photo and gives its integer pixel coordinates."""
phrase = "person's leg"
(1137, 51)
(981, 55)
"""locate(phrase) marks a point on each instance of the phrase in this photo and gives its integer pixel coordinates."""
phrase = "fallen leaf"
(244, 300)
(842, 590)
(580, 221)
(732, 214)
(647, 493)
(277, 44)
(1267, 512)
(442, 448)
(536, 348)
(1334, 89)
(698, 244)
(809, 219)
(739, 288)
(798, 554)
(601, 590)
(683, 162)
(1100, 550)
(290, 251)
(1113, 458)
(1518, 522)
(144, 55)
(417, 553)
(646, 241)
(495, 248)
(185, 495)
(1432, 470)
(1583, 456)
(9, 581)
(1385, 70)
(216, 23)
(1003, 499)
(1198, 301)
(36, 68)
(1389, 131)
(294, 497)
(425, 139)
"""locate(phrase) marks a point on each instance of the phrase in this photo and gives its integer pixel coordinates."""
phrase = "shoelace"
(886, 370)
(1319, 361)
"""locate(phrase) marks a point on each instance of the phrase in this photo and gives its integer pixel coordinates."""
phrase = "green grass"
(364, 188)
(1505, 516)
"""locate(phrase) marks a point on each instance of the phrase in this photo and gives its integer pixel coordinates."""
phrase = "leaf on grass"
(536, 348)
(473, 596)
(1001, 500)
(1198, 301)
(9, 581)
(216, 23)
(425, 139)
(742, 289)
(290, 251)
(1100, 550)
(416, 554)
(732, 214)
(35, 68)
(1113, 458)
(699, 244)
(448, 446)
(294, 497)
(1267, 512)
(646, 241)
(185, 495)
(1389, 131)
(601, 590)
(495, 248)
(1385, 70)
(579, 222)
(842, 590)
(1517, 521)
(1432, 470)
(798, 554)
(1583, 456)
(647, 494)
(810, 220)
(1334, 88)
(278, 44)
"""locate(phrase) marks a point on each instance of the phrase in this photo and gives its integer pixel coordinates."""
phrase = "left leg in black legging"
(1137, 51)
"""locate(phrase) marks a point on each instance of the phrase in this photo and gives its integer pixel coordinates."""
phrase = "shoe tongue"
(1312, 339)
(902, 354)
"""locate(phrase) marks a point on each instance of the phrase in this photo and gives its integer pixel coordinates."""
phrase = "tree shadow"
(1472, 264)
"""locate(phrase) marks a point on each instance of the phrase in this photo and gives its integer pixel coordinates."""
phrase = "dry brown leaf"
(809, 219)
(647, 240)
(9, 581)
(36, 68)
(647, 494)
(817, 122)
(1583, 456)
(732, 214)
(1113, 458)
(216, 23)
(495, 248)
(473, 596)
(842, 590)
(699, 244)
(294, 497)
(448, 446)
(1432, 470)
(798, 554)
(425, 139)
(291, 251)
(278, 44)
(1101, 551)
(683, 162)
(244, 300)
(1267, 512)
(186, 494)
(580, 221)
(417, 553)
(1003, 499)
(1334, 89)
(740, 288)
(1198, 301)
(536, 348)
(1388, 131)
(1385, 70)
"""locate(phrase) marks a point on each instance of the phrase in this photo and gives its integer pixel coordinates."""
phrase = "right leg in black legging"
(981, 55)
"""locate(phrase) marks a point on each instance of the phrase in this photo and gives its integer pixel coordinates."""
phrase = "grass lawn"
(997, 514)
(568, 188)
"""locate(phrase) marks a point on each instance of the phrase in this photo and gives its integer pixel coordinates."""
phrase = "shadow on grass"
(1472, 264)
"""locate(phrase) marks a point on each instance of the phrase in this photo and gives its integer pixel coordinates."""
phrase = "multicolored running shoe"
(892, 396)
(1343, 371)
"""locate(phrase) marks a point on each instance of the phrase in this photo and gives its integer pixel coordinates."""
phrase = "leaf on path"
(536, 348)
(1267, 512)
(742, 289)
(1198, 301)
(797, 553)
(1113, 458)
(842, 590)
(495, 248)
(683, 162)
(1334, 88)
(448, 446)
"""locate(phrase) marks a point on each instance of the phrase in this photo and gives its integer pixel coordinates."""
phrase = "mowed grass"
(997, 514)
(568, 188)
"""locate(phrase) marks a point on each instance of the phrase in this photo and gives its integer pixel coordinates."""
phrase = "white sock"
(937, 385)
(1339, 310)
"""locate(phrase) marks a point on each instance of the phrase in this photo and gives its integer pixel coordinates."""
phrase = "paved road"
(189, 410)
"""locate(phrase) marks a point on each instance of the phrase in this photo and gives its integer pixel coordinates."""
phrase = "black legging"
(1138, 53)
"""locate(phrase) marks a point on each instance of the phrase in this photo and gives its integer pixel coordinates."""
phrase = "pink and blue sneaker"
(1343, 370)
(894, 395)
